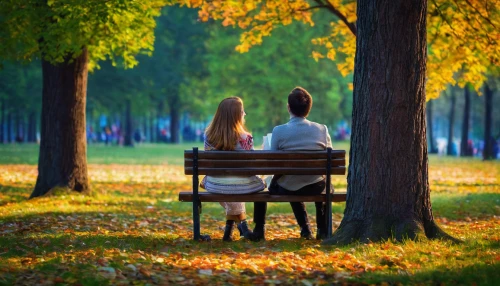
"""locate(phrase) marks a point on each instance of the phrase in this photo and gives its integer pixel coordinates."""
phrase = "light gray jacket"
(300, 134)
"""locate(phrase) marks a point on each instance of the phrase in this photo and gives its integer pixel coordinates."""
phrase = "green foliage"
(172, 74)
(21, 86)
(58, 29)
(264, 76)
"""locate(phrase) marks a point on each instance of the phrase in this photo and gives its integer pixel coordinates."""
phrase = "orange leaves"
(134, 231)
(316, 56)
(463, 36)
(259, 17)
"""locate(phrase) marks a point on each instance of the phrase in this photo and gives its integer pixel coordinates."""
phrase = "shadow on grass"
(459, 206)
(477, 274)
(13, 194)
(26, 246)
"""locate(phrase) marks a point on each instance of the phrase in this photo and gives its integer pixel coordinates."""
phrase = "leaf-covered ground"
(134, 231)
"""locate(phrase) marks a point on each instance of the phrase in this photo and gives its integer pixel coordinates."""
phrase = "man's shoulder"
(280, 128)
(316, 125)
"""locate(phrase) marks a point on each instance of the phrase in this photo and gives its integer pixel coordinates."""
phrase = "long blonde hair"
(227, 126)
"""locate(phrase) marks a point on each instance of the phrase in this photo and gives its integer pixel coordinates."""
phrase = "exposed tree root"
(374, 230)
(433, 231)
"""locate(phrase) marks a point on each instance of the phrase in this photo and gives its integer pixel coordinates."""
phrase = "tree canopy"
(462, 34)
(57, 29)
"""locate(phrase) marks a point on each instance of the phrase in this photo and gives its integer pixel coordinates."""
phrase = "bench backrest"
(260, 162)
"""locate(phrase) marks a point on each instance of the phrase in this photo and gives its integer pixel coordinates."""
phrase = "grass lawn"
(132, 230)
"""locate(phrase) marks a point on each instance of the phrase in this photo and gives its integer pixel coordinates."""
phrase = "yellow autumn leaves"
(462, 35)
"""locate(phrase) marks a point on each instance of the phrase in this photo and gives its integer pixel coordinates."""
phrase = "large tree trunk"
(488, 138)
(430, 122)
(388, 192)
(128, 139)
(464, 144)
(63, 148)
(451, 121)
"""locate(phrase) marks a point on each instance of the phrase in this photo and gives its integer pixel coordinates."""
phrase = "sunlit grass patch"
(133, 230)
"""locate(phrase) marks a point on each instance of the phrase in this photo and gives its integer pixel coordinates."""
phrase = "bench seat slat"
(314, 163)
(264, 171)
(263, 154)
(259, 197)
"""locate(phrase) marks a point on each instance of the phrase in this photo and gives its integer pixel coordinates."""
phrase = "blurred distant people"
(107, 135)
(138, 136)
(19, 138)
(343, 132)
(470, 148)
(91, 136)
(441, 146)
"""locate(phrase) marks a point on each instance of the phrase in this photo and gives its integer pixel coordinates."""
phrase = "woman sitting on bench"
(227, 132)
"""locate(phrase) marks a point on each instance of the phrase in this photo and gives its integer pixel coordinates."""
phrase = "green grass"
(134, 221)
(143, 154)
(140, 154)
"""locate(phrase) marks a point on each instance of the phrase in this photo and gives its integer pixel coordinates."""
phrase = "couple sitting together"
(227, 132)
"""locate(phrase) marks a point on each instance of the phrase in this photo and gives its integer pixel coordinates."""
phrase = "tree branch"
(478, 12)
(342, 17)
(313, 7)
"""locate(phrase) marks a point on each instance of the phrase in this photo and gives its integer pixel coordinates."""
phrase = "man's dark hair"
(300, 102)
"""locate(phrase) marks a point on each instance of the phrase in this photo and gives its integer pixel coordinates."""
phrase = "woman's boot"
(244, 231)
(228, 231)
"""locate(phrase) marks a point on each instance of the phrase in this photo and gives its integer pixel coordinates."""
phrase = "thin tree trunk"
(151, 128)
(128, 139)
(388, 192)
(159, 137)
(451, 120)
(488, 138)
(145, 127)
(2, 123)
(464, 144)
(31, 127)
(430, 122)
(174, 123)
(9, 127)
(63, 148)
(19, 127)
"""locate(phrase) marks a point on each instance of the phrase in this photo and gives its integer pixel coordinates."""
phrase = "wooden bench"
(246, 163)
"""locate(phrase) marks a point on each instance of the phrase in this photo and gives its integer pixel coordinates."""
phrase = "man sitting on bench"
(298, 134)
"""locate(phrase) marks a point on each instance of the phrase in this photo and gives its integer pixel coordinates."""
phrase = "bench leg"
(329, 223)
(196, 220)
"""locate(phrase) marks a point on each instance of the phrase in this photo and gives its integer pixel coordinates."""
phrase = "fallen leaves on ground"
(134, 231)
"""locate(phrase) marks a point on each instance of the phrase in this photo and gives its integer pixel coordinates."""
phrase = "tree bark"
(451, 121)
(488, 138)
(464, 143)
(128, 136)
(430, 122)
(63, 148)
(388, 191)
